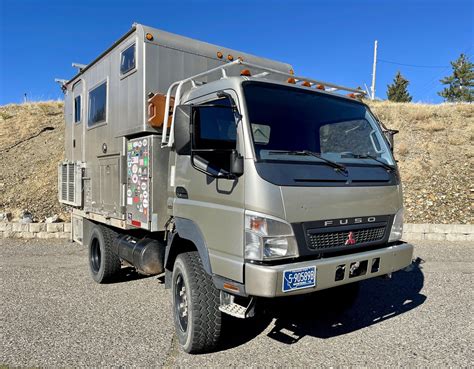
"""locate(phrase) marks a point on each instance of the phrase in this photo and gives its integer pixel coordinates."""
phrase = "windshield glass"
(285, 120)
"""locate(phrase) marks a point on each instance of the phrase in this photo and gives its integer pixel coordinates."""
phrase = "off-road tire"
(104, 263)
(204, 319)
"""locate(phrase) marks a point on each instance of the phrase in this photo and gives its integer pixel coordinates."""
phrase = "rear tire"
(197, 318)
(104, 263)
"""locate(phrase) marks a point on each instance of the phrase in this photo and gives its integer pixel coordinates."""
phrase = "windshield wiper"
(367, 156)
(331, 163)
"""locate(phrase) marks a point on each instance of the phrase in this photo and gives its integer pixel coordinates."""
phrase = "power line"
(412, 65)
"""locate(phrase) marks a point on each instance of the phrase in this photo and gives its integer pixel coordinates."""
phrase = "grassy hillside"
(434, 149)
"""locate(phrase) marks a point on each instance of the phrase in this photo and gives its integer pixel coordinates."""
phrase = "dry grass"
(434, 149)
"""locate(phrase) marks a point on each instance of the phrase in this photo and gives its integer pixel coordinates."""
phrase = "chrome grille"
(327, 240)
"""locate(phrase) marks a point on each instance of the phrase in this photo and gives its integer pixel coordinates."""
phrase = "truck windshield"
(285, 120)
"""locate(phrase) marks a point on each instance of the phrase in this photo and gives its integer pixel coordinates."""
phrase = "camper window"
(98, 105)
(77, 109)
(127, 60)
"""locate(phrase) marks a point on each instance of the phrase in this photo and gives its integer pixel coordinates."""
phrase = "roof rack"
(263, 72)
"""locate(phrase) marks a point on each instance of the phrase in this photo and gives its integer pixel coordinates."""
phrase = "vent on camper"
(70, 183)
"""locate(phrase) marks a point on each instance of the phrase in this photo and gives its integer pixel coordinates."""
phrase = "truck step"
(230, 307)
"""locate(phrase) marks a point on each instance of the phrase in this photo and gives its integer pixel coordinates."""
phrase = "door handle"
(181, 193)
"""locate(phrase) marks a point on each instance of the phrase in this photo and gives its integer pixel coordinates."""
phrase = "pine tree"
(397, 91)
(461, 82)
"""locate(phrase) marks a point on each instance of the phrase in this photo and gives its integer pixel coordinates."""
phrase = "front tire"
(197, 318)
(104, 263)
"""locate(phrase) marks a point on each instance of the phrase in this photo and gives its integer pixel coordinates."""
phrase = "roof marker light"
(149, 37)
(230, 57)
(306, 84)
(219, 55)
(291, 80)
(320, 87)
(245, 72)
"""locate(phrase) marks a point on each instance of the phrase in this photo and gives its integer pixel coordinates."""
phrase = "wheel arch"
(186, 237)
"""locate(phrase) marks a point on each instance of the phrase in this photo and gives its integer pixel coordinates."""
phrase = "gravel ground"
(54, 315)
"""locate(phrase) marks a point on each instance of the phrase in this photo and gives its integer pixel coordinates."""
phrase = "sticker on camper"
(134, 178)
(145, 203)
(143, 186)
(129, 201)
(145, 142)
(134, 168)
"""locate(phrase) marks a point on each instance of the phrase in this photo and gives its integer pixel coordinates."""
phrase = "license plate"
(297, 279)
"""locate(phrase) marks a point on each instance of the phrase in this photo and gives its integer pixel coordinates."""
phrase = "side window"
(215, 133)
(127, 60)
(215, 126)
(77, 109)
(98, 105)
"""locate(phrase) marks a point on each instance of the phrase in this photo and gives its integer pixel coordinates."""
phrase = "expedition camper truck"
(227, 173)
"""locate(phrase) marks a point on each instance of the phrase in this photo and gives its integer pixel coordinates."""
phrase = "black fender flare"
(188, 230)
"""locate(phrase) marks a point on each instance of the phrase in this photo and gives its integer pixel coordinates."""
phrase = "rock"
(5, 217)
(52, 219)
(26, 217)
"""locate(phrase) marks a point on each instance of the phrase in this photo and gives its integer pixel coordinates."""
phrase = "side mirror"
(182, 129)
(236, 163)
(389, 133)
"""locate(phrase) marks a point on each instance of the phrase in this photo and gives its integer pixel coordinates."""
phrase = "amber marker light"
(320, 87)
(149, 37)
(245, 72)
(219, 55)
(291, 80)
(230, 57)
(306, 84)
(352, 95)
(292, 71)
(231, 287)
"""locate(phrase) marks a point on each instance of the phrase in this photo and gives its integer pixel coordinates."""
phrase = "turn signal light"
(149, 37)
(219, 55)
(230, 57)
(245, 72)
(352, 95)
(291, 80)
(320, 87)
(306, 84)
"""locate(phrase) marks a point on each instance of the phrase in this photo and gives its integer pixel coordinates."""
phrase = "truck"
(227, 174)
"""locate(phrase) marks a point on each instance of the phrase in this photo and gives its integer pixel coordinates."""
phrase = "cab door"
(78, 119)
(213, 205)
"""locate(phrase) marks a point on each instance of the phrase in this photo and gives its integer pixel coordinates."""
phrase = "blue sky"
(327, 40)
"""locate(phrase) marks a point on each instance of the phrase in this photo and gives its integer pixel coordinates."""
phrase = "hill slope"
(434, 149)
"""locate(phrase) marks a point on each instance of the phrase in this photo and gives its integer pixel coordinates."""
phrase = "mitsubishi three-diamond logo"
(350, 239)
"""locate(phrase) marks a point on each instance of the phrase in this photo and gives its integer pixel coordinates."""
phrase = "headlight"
(268, 238)
(397, 227)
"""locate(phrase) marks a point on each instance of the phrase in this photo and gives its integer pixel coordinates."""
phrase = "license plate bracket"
(299, 278)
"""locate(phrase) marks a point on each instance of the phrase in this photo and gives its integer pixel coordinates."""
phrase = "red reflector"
(136, 223)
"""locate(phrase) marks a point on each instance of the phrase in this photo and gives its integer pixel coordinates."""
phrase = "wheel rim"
(181, 303)
(95, 255)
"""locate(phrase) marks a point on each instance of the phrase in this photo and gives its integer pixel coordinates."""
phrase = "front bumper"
(266, 281)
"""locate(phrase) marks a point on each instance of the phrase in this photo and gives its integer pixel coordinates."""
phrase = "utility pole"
(374, 69)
